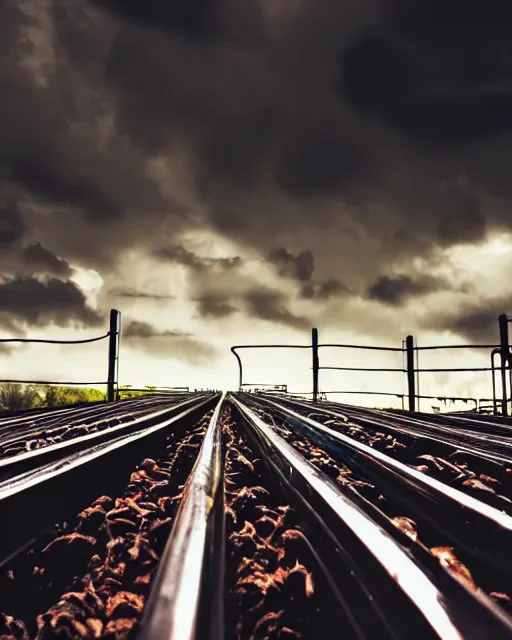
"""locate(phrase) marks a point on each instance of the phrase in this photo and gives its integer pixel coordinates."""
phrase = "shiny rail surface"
(406, 475)
(385, 583)
(446, 605)
(463, 434)
(17, 427)
(186, 600)
(35, 486)
(32, 460)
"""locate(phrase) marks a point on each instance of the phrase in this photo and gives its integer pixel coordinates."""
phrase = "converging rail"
(493, 443)
(395, 574)
(187, 597)
(44, 429)
(239, 514)
(36, 485)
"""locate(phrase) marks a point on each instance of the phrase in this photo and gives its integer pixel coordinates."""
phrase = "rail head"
(180, 606)
(500, 518)
(37, 476)
(441, 612)
(39, 458)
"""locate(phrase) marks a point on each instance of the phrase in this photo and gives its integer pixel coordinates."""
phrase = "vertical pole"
(494, 352)
(505, 353)
(113, 353)
(418, 392)
(316, 363)
(411, 378)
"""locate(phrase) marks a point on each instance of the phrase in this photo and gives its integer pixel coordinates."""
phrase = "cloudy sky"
(237, 172)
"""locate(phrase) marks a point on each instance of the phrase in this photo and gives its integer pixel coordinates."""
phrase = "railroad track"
(487, 436)
(37, 429)
(240, 517)
(448, 451)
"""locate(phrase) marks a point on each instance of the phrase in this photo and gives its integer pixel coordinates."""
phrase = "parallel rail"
(38, 485)
(15, 427)
(39, 457)
(444, 603)
(187, 597)
(385, 584)
(466, 435)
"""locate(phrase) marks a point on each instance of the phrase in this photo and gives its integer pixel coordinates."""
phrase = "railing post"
(240, 372)
(411, 378)
(494, 352)
(113, 353)
(316, 363)
(505, 357)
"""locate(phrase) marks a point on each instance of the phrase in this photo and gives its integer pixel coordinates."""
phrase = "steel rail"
(11, 432)
(421, 480)
(499, 445)
(476, 421)
(16, 418)
(32, 460)
(33, 499)
(451, 610)
(416, 428)
(436, 506)
(489, 431)
(24, 471)
(186, 601)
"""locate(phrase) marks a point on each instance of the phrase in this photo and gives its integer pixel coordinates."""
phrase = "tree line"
(19, 397)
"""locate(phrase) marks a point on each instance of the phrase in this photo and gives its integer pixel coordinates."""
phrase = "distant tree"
(17, 397)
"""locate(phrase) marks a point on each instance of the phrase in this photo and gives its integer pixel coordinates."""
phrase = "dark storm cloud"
(366, 132)
(319, 159)
(31, 302)
(438, 71)
(54, 186)
(12, 227)
(210, 306)
(323, 290)
(166, 343)
(258, 302)
(42, 260)
(300, 267)
(238, 291)
(267, 304)
(137, 329)
(194, 18)
(397, 289)
(476, 322)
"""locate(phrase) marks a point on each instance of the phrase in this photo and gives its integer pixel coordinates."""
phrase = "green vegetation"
(17, 397)
(127, 394)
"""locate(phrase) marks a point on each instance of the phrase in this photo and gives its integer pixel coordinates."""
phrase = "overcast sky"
(238, 172)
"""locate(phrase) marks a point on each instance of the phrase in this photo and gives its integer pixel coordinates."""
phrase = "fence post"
(411, 379)
(113, 353)
(505, 358)
(316, 364)
(240, 371)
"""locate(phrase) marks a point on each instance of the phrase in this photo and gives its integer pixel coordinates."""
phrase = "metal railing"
(113, 335)
(411, 368)
(151, 390)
